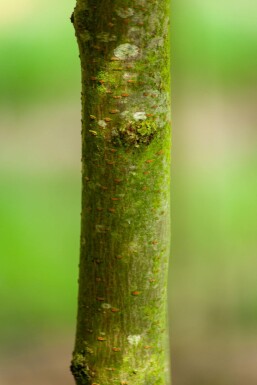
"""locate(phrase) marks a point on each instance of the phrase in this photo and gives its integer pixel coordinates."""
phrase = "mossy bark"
(122, 335)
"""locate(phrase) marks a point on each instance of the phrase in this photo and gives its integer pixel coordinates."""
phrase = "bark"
(122, 335)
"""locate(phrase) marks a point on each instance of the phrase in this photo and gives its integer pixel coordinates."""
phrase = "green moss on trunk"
(125, 225)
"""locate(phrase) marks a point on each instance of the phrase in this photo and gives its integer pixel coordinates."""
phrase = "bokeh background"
(213, 284)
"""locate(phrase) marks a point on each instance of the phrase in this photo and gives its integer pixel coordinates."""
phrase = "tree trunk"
(122, 335)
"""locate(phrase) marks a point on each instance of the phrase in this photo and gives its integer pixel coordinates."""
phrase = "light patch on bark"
(126, 51)
(105, 37)
(125, 12)
(138, 17)
(124, 114)
(134, 33)
(157, 42)
(102, 123)
(134, 340)
(139, 115)
(127, 76)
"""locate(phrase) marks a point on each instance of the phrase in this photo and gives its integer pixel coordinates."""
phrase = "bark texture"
(122, 335)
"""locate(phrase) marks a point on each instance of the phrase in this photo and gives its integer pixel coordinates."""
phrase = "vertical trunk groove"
(125, 225)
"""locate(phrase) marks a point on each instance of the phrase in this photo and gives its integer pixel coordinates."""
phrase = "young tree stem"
(122, 335)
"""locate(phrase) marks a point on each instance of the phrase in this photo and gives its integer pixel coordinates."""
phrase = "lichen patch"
(134, 339)
(156, 42)
(126, 51)
(102, 123)
(125, 12)
(139, 115)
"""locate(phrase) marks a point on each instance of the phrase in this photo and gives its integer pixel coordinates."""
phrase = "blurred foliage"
(215, 42)
(39, 253)
(39, 57)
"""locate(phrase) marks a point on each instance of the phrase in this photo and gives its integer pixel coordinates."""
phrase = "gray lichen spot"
(156, 42)
(102, 123)
(134, 33)
(114, 132)
(125, 12)
(134, 339)
(154, 23)
(139, 115)
(126, 51)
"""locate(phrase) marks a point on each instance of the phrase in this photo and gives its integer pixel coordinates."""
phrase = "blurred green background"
(213, 285)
